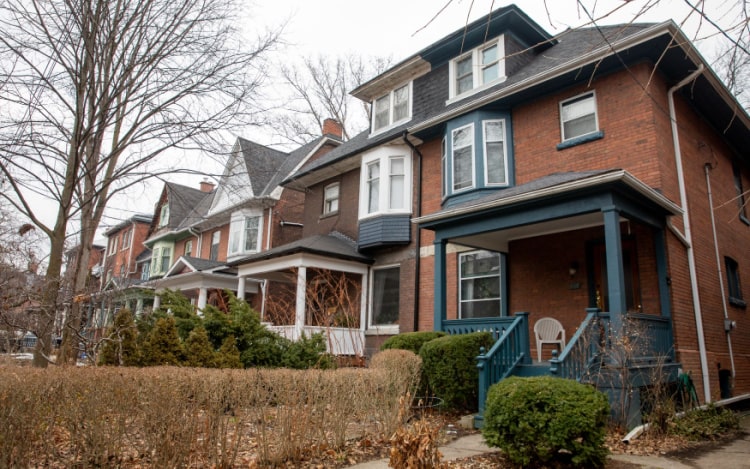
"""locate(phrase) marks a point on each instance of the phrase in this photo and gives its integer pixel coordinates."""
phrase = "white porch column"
(299, 319)
(202, 297)
(157, 302)
(241, 288)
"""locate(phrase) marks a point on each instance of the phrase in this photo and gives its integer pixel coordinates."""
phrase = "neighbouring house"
(597, 177)
(196, 234)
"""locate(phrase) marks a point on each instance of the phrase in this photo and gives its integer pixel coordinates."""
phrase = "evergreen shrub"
(411, 341)
(542, 421)
(450, 367)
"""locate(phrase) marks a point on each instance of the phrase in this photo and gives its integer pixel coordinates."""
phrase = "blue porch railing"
(583, 349)
(496, 325)
(510, 350)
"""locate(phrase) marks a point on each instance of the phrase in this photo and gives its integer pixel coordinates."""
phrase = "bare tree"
(93, 94)
(317, 89)
(733, 66)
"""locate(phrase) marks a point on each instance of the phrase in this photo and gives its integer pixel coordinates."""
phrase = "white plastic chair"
(548, 331)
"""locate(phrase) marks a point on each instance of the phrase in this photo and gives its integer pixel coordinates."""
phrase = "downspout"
(727, 329)
(688, 234)
(418, 242)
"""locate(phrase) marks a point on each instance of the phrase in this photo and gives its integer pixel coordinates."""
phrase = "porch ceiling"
(498, 240)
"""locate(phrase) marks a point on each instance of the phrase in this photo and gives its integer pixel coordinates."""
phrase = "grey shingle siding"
(384, 230)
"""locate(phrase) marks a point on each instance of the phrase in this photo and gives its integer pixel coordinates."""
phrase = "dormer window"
(392, 109)
(164, 215)
(478, 68)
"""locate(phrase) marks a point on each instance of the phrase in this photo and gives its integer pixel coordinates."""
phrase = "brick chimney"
(333, 127)
(207, 186)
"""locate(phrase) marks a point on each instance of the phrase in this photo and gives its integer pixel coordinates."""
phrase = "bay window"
(463, 158)
(386, 182)
(244, 232)
(494, 153)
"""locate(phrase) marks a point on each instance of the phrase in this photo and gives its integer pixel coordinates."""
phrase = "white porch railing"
(339, 340)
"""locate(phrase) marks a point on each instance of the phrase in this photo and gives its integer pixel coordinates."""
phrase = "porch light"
(573, 268)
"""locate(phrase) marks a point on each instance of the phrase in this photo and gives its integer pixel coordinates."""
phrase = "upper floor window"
(145, 268)
(126, 235)
(113, 245)
(331, 198)
(164, 215)
(386, 182)
(733, 282)
(392, 108)
(578, 116)
(480, 284)
(244, 233)
(215, 241)
(741, 200)
(166, 259)
(188, 248)
(475, 154)
(478, 68)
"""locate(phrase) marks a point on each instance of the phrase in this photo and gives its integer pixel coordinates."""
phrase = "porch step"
(535, 369)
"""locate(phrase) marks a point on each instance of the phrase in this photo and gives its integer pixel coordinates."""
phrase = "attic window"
(478, 68)
(164, 215)
(392, 109)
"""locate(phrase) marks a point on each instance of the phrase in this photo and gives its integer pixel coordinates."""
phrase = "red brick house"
(246, 213)
(598, 177)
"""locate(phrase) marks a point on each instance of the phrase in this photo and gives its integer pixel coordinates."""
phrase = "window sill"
(382, 330)
(475, 91)
(737, 302)
(328, 215)
(580, 140)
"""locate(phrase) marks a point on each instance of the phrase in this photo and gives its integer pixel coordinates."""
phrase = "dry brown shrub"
(415, 445)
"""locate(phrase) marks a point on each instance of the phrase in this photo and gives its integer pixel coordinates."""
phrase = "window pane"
(401, 103)
(464, 76)
(480, 309)
(397, 184)
(331, 196)
(495, 152)
(479, 277)
(480, 264)
(385, 296)
(251, 233)
(382, 112)
(166, 253)
(462, 157)
(490, 65)
(444, 158)
(373, 187)
(579, 117)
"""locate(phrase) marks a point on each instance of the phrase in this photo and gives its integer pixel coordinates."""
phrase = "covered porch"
(585, 248)
(314, 285)
(202, 281)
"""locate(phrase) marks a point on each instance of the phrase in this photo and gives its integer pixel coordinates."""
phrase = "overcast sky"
(399, 28)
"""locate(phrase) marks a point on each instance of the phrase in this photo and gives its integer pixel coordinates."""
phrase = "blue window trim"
(590, 137)
(480, 186)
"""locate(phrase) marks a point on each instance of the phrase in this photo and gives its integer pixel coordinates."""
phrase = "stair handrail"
(578, 354)
(516, 337)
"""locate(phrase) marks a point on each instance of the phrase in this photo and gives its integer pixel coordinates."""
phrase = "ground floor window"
(480, 284)
(384, 298)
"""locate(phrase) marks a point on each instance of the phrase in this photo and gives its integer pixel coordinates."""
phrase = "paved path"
(732, 455)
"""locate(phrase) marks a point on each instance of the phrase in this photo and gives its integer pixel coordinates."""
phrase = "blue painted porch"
(639, 353)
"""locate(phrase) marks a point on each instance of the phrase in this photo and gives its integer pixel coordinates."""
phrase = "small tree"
(163, 346)
(198, 349)
(120, 346)
(228, 356)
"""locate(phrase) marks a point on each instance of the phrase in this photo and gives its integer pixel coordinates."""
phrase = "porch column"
(615, 271)
(202, 297)
(440, 285)
(241, 288)
(299, 319)
(364, 293)
(660, 251)
(157, 302)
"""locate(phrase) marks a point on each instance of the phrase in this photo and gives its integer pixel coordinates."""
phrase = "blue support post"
(660, 252)
(524, 337)
(615, 271)
(440, 285)
(483, 385)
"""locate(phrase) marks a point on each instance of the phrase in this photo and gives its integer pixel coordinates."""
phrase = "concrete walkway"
(732, 455)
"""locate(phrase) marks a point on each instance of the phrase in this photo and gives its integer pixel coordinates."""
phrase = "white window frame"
(381, 328)
(391, 97)
(126, 237)
(487, 182)
(383, 156)
(146, 270)
(477, 67)
(452, 186)
(164, 215)
(238, 233)
(329, 199)
(155, 253)
(215, 236)
(188, 248)
(113, 245)
(444, 165)
(575, 99)
(162, 267)
(500, 273)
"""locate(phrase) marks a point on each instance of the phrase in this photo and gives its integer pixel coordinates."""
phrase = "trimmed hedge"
(411, 341)
(450, 366)
(541, 420)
